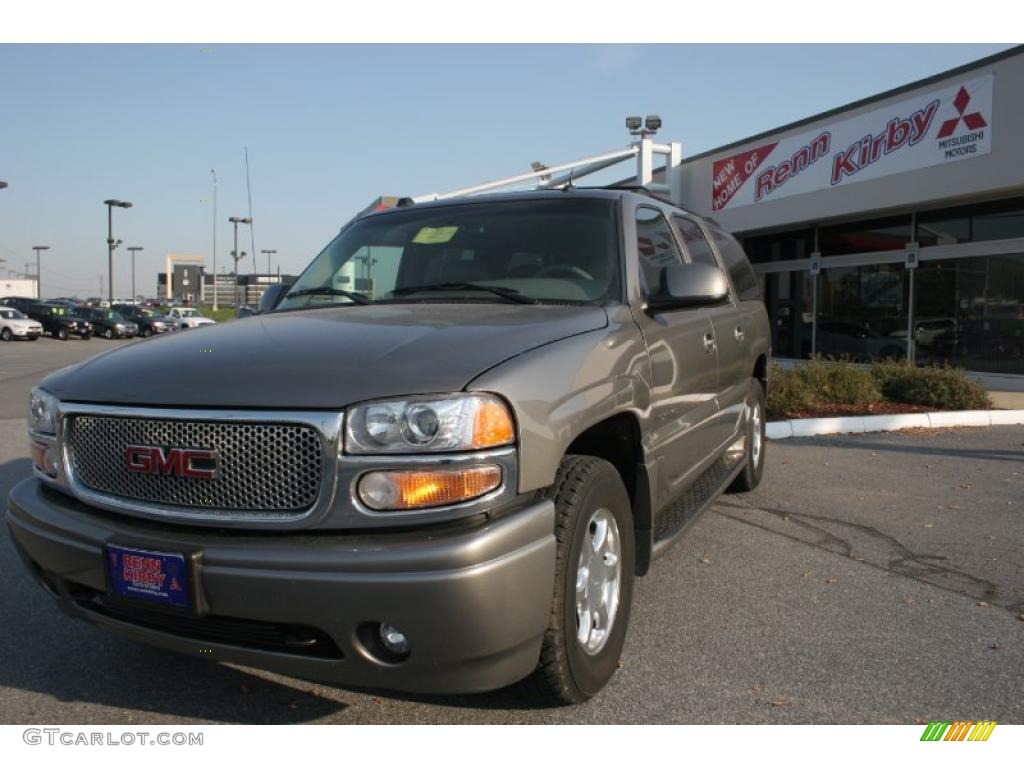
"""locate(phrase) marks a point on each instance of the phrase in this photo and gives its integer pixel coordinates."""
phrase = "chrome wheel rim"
(598, 581)
(756, 440)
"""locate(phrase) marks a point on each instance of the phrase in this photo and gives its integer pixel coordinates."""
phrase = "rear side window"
(656, 246)
(743, 278)
(694, 241)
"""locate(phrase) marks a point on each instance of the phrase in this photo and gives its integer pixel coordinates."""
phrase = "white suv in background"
(14, 325)
(188, 317)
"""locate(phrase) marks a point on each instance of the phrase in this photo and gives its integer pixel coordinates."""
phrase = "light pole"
(236, 220)
(110, 243)
(134, 249)
(39, 274)
(214, 174)
(268, 251)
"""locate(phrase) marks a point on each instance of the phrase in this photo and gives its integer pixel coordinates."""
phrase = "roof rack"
(639, 190)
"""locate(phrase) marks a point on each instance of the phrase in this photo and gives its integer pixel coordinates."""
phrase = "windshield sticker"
(435, 235)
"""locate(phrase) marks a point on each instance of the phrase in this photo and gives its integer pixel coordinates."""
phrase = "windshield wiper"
(509, 294)
(324, 290)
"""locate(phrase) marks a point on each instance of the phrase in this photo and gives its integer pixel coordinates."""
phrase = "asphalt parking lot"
(871, 579)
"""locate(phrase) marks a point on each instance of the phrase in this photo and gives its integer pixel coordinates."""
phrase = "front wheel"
(6, 334)
(593, 580)
(108, 334)
(62, 334)
(146, 333)
(754, 442)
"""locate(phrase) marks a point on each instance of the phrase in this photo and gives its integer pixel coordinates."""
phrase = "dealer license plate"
(142, 574)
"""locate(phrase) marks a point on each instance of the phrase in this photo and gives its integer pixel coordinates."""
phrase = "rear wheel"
(593, 581)
(753, 461)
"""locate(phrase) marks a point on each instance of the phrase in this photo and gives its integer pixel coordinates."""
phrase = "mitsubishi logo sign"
(973, 120)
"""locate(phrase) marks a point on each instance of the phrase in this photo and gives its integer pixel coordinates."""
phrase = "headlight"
(453, 423)
(42, 412)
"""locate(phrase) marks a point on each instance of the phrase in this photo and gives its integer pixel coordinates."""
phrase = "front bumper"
(473, 599)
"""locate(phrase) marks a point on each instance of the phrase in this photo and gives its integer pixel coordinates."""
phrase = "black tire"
(583, 487)
(108, 334)
(146, 333)
(753, 466)
(6, 334)
(62, 334)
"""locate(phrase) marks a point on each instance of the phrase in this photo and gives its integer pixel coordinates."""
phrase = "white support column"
(674, 172)
(645, 163)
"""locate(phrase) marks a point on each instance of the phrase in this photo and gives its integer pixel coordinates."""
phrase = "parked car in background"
(246, 311)
(188, 317)
(59, 321)
(148, 320)
(20, 303)
(15, 325)
(111, 324)
(857, 342)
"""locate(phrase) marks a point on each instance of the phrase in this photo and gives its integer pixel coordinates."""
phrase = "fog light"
(43, 459)
(417, 489)
(393, 640)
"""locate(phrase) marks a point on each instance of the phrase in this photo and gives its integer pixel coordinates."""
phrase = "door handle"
(709, 342)
(738, 333)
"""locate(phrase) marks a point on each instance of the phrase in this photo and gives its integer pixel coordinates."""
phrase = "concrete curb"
(780, 430)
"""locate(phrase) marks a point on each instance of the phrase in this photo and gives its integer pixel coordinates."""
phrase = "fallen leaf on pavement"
(982, 604)
(780, 701)
(831, 581)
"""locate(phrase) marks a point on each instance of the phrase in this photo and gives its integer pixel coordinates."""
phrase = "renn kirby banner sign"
(943, 126)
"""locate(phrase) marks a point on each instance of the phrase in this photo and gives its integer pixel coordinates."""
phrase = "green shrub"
(816, 384)
(943, 388)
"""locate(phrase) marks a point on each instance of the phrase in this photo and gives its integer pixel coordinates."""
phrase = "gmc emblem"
(200, 463)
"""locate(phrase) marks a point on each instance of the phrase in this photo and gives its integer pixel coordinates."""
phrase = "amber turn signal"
(420, 489)
(492, 425)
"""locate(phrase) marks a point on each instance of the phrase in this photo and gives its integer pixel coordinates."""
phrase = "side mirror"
(690, 285)
(272, 296)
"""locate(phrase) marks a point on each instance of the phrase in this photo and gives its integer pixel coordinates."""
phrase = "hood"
(321, 358)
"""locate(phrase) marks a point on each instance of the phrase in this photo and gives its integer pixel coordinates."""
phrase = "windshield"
(559, 250)
(188, 312)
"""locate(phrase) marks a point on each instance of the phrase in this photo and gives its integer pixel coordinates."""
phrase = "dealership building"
(893, 226)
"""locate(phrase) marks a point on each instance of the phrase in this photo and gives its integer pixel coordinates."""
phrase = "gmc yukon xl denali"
(437, 465)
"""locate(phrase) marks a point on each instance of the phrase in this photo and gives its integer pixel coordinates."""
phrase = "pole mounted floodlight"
(111, 243)
(134, 249)
(236, 220)
(39, 276)
(643, 127)
(268, 252)
(3, 185)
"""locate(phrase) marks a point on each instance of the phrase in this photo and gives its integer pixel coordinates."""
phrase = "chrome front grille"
(262, 468)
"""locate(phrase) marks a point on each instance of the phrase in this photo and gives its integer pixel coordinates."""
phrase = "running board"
(674, 519)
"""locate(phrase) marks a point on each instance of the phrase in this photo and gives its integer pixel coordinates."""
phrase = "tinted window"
(656, 247)
(694, 241)
(559, 249)
(743, 278)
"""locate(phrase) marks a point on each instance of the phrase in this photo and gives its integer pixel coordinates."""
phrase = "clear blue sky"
(330, 127)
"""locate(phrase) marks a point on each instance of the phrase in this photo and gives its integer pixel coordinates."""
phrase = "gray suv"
(437, 465)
